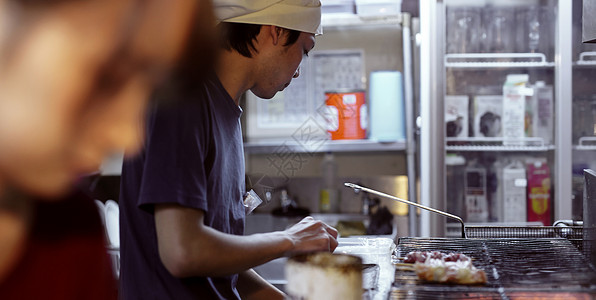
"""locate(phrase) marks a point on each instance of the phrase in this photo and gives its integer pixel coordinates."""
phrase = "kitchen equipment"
(515, 268)
(477, 74)
(573, 233)
(358, 188)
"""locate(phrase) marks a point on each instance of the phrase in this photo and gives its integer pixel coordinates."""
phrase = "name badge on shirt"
(251, 201)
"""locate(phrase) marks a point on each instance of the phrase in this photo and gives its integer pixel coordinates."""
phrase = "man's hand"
(187, 247)
(310, 235)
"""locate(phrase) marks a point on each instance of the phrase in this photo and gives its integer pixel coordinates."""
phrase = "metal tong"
(358, 188)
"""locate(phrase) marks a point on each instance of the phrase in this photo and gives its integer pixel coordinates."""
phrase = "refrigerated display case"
(496, 121)
(584, 109)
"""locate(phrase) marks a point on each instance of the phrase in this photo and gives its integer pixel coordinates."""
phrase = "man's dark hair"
(240, 37)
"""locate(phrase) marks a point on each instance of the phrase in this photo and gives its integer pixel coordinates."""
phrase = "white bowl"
(112, 223)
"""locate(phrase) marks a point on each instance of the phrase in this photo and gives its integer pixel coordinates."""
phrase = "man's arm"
(187, 247)
(252, 286)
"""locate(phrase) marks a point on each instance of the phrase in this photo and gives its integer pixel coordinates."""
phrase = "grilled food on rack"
(442, 267)
(458, 272)
(421, 256)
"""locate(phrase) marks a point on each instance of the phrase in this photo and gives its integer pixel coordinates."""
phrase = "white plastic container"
(369, 8)
(371, 250)
(337, 6)
(386, 99)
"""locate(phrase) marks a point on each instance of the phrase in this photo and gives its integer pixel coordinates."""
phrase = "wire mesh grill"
(568, 232)
(514, 267)
(575, 234)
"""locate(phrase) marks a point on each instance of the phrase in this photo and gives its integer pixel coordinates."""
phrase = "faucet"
(365, 203)
(286, 202)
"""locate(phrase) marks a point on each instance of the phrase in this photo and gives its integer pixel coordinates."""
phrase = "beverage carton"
(516, 114)
(494, 187)
(542, 105)
(514, 193)
(539, 199)
(456, 116)
(487, 116)
(476, 201)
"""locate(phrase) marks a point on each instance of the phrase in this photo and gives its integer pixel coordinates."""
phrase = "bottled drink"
(328, 202)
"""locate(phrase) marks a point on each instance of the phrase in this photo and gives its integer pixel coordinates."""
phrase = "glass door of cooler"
(584, 109)
(498, 99)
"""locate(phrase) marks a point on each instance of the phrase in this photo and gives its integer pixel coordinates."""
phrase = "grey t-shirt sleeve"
(175, 151)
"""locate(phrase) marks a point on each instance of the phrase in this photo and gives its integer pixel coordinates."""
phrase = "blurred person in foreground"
(181, 200)
(75, 78)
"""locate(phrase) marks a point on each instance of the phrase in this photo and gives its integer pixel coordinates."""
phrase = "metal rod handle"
(356, 188)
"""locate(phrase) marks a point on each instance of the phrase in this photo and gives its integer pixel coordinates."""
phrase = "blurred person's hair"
(41, 2)
(240, 37)
(196, 62)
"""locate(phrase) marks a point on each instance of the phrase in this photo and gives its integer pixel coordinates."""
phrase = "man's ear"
(276, 33)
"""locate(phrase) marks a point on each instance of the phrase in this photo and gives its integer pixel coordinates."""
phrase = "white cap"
(301, 15)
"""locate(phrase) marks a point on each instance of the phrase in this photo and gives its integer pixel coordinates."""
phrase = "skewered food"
(458, 272)
(421, 256)
(442, 267)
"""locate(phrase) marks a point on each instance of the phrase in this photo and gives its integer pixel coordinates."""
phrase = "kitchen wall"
(382, 45)
(305, 192)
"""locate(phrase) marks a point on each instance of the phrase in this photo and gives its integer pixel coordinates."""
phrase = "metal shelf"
(497, 60)
(531, 144)
(341, 20)
(486, 148)
(292, 146)
(586, 59)
(586, 143)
